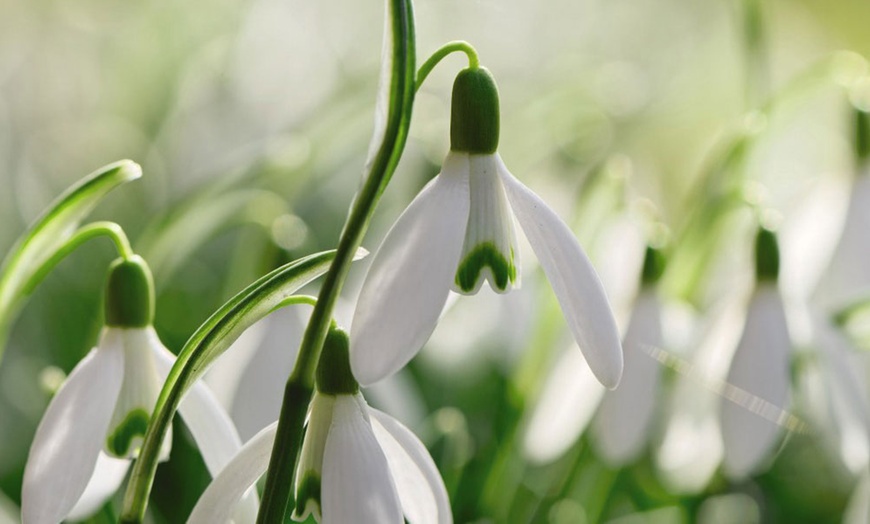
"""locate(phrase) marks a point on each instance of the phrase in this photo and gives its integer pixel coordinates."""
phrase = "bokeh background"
(251, 120)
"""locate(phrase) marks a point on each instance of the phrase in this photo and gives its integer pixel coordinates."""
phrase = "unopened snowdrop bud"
(474, 117)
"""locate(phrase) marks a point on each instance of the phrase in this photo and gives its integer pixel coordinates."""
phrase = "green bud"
(766, 256)
(334, 376)
(653, 266)
(130, 293)
(474, 118)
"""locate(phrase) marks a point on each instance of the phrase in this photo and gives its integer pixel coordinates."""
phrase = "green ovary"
(309, 490)
(134, 425)
(483, 255)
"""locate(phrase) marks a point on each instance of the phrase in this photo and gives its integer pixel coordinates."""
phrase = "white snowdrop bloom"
(757, 387)
(459, 232)
(94, 425)
(858, 508)
(622, 425)
(357, 464)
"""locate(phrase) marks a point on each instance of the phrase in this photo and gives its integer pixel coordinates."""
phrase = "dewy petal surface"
(108, 475)
(211, 427)
(419, 484)
(357, 485)
(217, 503)
(411, 275)
(71, 434)
(574, 280)
(624, 418)
(760, 372)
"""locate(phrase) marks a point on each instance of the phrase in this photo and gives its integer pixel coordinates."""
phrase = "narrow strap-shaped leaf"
(51, 231)
(212, 338)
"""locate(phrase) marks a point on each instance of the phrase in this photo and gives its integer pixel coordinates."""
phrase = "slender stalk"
(82, 235)
(447, 49)
(300, 385)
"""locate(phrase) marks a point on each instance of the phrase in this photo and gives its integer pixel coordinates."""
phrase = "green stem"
(82, 235)
(447, 49)
(295, 300)
(300, 385)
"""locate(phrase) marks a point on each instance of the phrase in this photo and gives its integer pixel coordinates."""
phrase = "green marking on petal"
(309, 491)
(134, 425)
(486, 254)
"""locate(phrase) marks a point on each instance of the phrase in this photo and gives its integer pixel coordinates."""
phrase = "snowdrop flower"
(757, 386)
(95, 424)
(357, 464)
(459, 232)
(623, 422)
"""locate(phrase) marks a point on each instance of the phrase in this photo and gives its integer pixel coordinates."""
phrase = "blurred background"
(664, 122)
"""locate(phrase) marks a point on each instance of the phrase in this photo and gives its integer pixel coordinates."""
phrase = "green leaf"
(209, 341)
(50, 232)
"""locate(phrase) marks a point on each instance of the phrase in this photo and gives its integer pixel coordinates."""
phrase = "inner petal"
(139, 392)
(489, 252)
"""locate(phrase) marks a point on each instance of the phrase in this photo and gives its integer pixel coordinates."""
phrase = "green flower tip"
(308, 493)
(486, 254)
(862, 134)
(766, 256)
(474, 119)
(135, 424)
(334, 376)
(130, 293)
(653, 266)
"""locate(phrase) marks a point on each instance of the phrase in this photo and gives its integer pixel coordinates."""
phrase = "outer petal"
(623, 421)
(108, 475)
(758, 385)
(564, 409)
(216, 504)
(577, 286)
(211, 427)
(858, 508)
(71, 434)
(421, 489)
(407, 285)
(357, 485)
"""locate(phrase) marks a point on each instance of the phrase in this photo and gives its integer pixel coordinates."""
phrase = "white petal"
(407, 285)
(858, 508)
(107, 478)
(758, 385)
(310, 466)
(71, 434)
(357, 485)
(848, 275)
(622, 424)
(580, 293)
(211, 427)
(490, 250)
(139, 392)
(217, 503)
(421, 489)
(564, 408)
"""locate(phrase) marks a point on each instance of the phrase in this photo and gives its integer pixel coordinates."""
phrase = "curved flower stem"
(82, 235)
(447, 49)
(300, 385)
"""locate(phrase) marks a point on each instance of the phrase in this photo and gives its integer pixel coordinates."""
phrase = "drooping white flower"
(94, 425)
(459, 232)
(357, 464)
(622, 424)
(758, 381)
